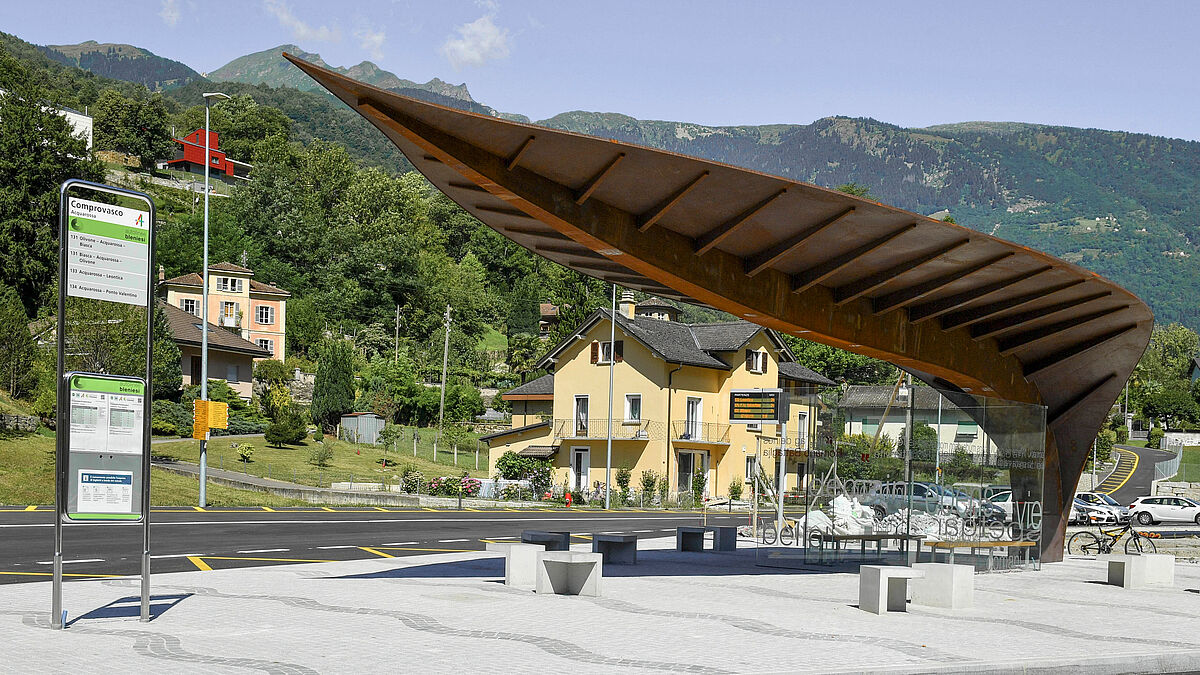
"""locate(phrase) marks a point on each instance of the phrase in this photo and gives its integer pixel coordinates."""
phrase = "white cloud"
(371, 42)
(477, 43)
(299, 29)
(170, 12)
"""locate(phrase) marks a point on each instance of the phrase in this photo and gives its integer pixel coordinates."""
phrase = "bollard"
(477, 458)
(456, 454)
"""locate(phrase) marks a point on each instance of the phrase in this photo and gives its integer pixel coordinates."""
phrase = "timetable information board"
(756, 406)
(107, 415)
(108, 252)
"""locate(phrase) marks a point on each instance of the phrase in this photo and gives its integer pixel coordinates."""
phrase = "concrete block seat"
(520, 563)
(569, 573)
(944, 585)
(553, 541)
(617, 549)
(691, 538)
(1141, 570)
(883, 588)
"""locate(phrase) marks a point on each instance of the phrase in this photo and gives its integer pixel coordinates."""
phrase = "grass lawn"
(1189, 466)
(13, 407)
(27, 477)
(493, 340)
(351, 462)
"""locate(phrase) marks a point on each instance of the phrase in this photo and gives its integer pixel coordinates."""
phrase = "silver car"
(1104, 502)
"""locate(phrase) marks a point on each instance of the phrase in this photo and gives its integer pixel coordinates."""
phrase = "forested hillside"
(123, 62)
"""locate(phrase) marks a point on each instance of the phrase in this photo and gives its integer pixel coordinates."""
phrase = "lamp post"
(612, 359)
(208, 96)
(907, 394)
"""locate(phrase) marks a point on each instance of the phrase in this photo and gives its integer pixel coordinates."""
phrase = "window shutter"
(619, 351)
(595, 352)
(749, 359)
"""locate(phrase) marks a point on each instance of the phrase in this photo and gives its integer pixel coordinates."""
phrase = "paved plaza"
(684, 612)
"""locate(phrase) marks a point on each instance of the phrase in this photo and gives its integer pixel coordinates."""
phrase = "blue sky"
(1113, 65)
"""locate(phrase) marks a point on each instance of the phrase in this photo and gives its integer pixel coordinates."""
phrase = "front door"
(581, 417)
(581, 460)
(691, 463)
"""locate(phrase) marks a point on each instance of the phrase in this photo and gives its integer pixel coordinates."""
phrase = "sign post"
(764, 406)
(102, 468)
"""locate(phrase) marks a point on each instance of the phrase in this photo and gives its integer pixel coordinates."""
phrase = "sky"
(1129, 66)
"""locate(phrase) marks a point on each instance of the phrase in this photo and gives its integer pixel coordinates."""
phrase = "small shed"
(361, 427)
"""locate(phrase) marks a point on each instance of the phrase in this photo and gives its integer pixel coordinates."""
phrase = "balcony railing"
(231, 322)
(598, 429)
(700, 432)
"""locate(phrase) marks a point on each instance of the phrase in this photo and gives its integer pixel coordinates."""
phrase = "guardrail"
(1169, 467)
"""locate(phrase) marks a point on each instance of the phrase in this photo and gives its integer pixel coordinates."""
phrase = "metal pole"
(612, 359)
(396, 357)
(937, 449)
(442, 405)
(204, 319)
(1093, 465)
(908, 422)
(781, 476)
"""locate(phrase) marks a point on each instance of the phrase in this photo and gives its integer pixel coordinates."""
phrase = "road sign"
(200, 419)
(218, 415)
(105, 436)
(756, 406)
(108, 252)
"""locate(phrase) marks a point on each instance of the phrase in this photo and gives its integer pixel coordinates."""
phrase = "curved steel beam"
(801, 259)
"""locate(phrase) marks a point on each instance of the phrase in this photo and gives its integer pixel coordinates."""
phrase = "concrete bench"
(617, 549)
(520, 563)
(569, 573)
(691, 538)
(553, 541)
(883, 588)
(987, 545)
(1142, 570)
(944, 585)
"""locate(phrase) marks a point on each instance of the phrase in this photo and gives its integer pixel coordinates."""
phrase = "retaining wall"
(28, 423)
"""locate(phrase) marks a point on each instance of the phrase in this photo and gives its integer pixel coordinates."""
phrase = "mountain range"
(1124, 205)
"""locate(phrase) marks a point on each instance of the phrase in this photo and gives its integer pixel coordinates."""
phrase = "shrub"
(514, 493)
(245, 451)
(162, 427)
(538, 472)
(321, 455)
(649, 480)
(664, 489)
(735, 488)
(411, 478)
(318, 436)
(697, 485)
(624, 475)
(1154, 438)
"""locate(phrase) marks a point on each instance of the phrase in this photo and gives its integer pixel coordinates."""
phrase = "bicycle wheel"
(787, 535)
(1083, 543)
(768, 534)
(1136, 543)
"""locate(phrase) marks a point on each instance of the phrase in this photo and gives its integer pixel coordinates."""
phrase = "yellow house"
(670, 399)
(252, 310)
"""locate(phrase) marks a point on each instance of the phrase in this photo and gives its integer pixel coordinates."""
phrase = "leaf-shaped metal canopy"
(964, 311)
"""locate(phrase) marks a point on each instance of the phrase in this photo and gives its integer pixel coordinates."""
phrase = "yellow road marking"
(50, 574)
(237, 557)
(267, 508)
(440, 550)
(1127, 477)
(200, 564)
(198, 508)
(326, 508)
(582, 536)
(377, 552)
(31, 508)
(429, 509)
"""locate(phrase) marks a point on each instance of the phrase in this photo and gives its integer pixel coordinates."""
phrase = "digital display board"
(756, 406)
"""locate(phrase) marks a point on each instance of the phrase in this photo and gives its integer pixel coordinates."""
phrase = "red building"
(189, 156)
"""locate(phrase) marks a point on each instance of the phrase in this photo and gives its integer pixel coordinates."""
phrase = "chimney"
(627, 304)
(162, 274)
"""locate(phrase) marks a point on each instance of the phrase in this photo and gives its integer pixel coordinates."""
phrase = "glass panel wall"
(887, 472)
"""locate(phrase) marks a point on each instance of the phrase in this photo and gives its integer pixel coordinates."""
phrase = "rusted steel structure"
(961, 310)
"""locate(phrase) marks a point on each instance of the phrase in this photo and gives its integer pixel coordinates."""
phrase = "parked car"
(1004, 502)
(1096, 514)
(892, 497)
(973, 508)
(1150, 510)
(1101, 500)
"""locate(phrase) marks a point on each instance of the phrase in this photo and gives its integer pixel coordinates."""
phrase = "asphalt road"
(184, 539)
(1134, 473)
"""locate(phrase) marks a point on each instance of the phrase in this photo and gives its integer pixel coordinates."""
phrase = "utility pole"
(442, 405)
(396, 358)
(204, 295)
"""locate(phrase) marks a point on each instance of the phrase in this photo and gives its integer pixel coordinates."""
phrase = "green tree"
(1174, 406)
(333, 391)
(303, 326)
(856, 190)
(17, 349)
(37, 153)
(166, 358)
(840, 365)
(240, 123)
(134, 126)
(523, 352)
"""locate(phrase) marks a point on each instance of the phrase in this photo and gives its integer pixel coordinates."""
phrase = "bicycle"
(786, 536)
(1087, 543)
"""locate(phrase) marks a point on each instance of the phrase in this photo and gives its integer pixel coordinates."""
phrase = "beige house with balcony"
(252, 310)
(670, 399)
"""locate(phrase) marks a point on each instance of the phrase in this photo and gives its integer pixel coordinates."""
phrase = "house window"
(602, 352)
(231, 373)
(633, 407)
(756, 361)
(267, 345)
(751, 461)
(229, 313)
(190, 305)
(229, 284)
(264, 314)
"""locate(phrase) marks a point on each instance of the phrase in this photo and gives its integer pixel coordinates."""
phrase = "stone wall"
(26, 423)
(1177, 489)
(1181, 438)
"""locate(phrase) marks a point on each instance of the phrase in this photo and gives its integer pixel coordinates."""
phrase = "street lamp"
(208, 96)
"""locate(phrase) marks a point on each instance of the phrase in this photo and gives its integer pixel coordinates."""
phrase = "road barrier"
(1169, 467)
